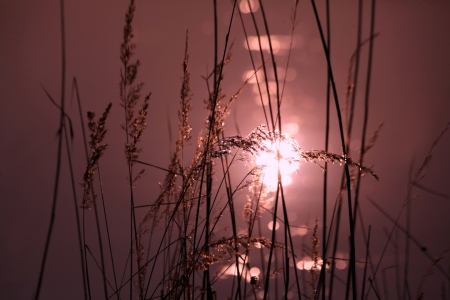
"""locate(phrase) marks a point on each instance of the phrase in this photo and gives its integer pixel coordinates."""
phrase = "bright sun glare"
(270, 162)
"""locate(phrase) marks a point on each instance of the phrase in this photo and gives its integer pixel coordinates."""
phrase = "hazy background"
(410, 92)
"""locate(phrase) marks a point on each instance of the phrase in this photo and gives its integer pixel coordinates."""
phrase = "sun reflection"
(253, 43)
(272, 85)
(279, 42)
(307, 264)
(251, 76)
(270, 162)
(289, 75)
(231, 270)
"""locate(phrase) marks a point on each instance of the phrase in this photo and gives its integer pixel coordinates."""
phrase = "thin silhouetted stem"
(344, 153)
(77, 216)
(322, 279)
(107, 228)
(365, 265)
(59, 151)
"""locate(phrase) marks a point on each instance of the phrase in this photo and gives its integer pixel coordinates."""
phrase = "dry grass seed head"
(185, 95)
(98, 132)
(315, 258)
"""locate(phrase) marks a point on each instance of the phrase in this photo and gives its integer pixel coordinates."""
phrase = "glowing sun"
(288, 161)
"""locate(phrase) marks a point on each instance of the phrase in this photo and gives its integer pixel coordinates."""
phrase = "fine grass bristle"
(98, 131)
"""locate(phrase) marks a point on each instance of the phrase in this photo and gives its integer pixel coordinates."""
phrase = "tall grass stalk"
(352, 270)
(62, 128)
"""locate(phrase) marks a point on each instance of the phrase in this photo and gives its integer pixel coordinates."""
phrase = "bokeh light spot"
(301, 231)
(254, 271)
(268, 204)
(270, 225)
(253, 43)
(341, 265)
(290, 75)
(307, 264)
(252, 77)
(246, 6)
